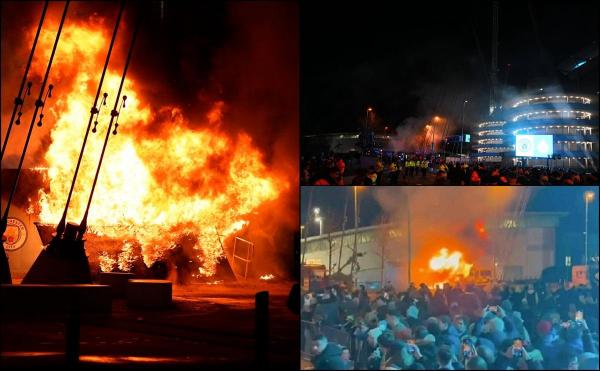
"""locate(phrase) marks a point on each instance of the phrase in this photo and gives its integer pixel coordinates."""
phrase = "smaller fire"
(107, 263)
(126, 257)
(450, 266)
(30, 209)
(267, 277)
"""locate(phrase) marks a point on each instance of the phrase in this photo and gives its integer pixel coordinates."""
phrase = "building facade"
(523, 246)
(572, 120)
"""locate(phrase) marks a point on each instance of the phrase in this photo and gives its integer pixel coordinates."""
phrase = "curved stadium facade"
(572, 120)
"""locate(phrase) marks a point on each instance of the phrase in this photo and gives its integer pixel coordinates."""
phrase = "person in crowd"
(327, 356)
(316, 170)
(458, 326)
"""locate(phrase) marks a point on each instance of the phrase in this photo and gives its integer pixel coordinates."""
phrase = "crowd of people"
(502, 327)
(415, 170)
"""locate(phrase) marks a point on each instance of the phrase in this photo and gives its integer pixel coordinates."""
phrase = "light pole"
(354, 252)
(589, 197)
(409, 235)
(318, 219)
(305, 240)
(367, 117)
(435, 119)
(462, 126)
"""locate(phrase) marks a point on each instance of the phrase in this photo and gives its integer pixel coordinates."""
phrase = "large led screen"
(534, 146)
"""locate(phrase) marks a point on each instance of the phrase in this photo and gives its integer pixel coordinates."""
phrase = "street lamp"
(462, 126)
(355, 251)
(367, 117)
(305, 241)
(589, 197)
(435, 119)
(318, 219)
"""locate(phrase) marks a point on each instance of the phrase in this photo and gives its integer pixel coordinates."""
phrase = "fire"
(152, 188)
(107, 263)
(449, 265)
(126, 257)
(267, 277)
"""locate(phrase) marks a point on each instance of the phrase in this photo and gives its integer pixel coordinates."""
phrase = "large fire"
(449, 266)
(152, 188)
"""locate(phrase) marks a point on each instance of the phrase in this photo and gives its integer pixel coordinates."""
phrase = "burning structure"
(172, 179)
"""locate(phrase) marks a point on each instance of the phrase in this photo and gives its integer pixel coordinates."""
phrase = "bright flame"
(151, 189)
(450, 265)
(267, 277)
(107, 263)
(126, 257)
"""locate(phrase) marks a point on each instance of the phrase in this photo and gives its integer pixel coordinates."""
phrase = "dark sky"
(424, 59)
(569, 234)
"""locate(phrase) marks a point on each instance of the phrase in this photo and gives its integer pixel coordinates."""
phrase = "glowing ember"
(155, 187)
(449, 266)
(107, 263)
(216, 282)
(267, 277)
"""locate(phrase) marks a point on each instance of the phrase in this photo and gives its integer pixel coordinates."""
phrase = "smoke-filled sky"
(450, 211)
(414, 62)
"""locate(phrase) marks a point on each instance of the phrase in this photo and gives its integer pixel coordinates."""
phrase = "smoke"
(415, 134)
(435, 222)
(257, 71)
(441, 94)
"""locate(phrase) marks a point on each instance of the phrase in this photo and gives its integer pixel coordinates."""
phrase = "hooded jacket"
(329, 358)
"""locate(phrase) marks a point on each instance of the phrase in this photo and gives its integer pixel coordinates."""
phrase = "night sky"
(426, 58)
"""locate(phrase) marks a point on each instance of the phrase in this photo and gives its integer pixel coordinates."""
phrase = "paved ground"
(211, 325)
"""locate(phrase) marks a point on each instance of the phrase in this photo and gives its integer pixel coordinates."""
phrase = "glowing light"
(267, 277)
(580, 64)
(579, 115)
(589, 196)
(555, 99)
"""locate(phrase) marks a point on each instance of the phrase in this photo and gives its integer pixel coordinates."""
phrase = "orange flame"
(449, 266)
(151, 189)
(107, 263)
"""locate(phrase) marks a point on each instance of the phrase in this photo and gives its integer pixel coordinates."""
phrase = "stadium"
(569, 122)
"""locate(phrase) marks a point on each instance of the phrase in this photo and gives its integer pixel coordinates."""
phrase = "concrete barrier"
(149, 294)
(117, 281)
